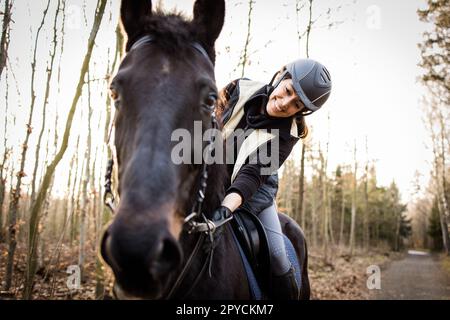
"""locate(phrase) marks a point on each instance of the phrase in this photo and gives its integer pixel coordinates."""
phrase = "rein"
(196, 221)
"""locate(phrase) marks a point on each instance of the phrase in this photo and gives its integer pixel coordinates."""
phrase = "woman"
(277, 112)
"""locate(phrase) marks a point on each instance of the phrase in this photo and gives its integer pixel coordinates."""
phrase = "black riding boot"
(285, 287)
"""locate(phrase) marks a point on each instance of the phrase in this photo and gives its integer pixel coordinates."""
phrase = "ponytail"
(302, 127)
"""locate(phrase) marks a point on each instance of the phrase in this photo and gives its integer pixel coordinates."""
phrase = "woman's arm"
(232, 201)
(250, 177)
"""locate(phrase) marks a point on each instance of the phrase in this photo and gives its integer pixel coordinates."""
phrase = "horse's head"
(164, 80)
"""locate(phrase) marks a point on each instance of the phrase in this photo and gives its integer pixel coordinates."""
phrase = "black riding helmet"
(311, 81)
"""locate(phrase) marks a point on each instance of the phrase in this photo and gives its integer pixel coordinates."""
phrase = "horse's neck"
(226, 270)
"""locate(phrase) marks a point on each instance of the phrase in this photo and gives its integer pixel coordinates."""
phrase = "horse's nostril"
(106, 251)
(103, 250)
(168, 258)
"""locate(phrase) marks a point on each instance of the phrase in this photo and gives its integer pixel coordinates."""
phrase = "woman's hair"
(299, 117)
(223, 98)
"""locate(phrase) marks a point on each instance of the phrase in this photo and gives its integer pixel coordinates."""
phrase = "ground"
(419, 276)
(403, 275)
(344, 276)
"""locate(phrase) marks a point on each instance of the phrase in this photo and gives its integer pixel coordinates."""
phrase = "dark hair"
(299, 117)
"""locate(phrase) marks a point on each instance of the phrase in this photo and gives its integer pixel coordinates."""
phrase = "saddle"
(251, 235)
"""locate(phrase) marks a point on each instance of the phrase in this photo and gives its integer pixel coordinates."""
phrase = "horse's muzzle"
(143, 262)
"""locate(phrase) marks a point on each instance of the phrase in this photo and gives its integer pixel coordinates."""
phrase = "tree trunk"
(301, 196)
(106, 216)
(73, 200)
(36, 208)
(445, 193)
(45, 103)
(3, 172)
(244, 58)
(366, 235)
(353, 220)
(85, 193)
(15, 195)
(341, 229)
(4, 42)
(308, 28)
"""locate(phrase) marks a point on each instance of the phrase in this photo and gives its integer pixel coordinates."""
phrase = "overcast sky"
(371, 52)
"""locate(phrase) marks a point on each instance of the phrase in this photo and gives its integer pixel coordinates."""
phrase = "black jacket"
(258, 191)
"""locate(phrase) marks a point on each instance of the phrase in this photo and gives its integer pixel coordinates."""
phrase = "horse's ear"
(132, 13)
(209, 16)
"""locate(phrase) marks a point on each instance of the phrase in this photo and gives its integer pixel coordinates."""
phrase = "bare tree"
(4, 41)
(366, 236)
(105, 216)
(15, 195)
(301, 199)
(354, 188)
(74, 198)
(308, 27)
(85, 194)
(46, 96)
(37, 206)
(244, 57)
(439, 174)
(342, 220)
(3, 172)
(435, 53)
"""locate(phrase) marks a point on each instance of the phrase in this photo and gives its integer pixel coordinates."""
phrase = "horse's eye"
(210, 101)
(113, 93)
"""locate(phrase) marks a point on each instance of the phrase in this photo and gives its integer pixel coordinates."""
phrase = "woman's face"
(284, 101)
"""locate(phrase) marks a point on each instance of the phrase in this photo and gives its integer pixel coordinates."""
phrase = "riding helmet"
(311, 81)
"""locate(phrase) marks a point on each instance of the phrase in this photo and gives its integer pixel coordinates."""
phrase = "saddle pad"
(252, 283)
(292, 255)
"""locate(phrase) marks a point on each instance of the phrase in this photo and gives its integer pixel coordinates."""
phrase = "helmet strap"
(281, 78)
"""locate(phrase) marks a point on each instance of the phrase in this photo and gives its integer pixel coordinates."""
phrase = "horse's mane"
(172, 30)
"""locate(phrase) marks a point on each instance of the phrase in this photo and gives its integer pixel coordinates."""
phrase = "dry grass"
(342, 277)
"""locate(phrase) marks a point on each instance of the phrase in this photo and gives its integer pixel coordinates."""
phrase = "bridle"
(196, 222)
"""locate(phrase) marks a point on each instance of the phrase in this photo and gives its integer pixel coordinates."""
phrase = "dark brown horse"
(163, 83)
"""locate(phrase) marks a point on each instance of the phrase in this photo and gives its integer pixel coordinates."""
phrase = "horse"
(166, 81)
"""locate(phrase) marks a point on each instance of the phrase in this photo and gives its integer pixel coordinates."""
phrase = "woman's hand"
(221, 213)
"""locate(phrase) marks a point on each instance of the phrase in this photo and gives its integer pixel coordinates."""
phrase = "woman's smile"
(284, 102)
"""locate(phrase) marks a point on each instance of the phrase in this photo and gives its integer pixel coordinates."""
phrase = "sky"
(370, 50)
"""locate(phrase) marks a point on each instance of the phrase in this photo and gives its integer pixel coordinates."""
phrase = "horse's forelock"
(172, 30)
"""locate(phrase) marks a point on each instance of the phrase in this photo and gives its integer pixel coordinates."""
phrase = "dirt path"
(418, 276)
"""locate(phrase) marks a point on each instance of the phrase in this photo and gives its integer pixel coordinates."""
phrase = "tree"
(435, 49)
(16, 194)
(46, 96)
(37, 206)
(354, 191)
(4, 41)
(434, 227)
(244, 58)
(435, 52)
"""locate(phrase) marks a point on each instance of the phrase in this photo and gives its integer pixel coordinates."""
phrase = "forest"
(57, 59)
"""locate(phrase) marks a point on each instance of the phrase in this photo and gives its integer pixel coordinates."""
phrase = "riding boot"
(285, 287)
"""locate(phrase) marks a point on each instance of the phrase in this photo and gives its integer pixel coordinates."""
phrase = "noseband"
(196, 222)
